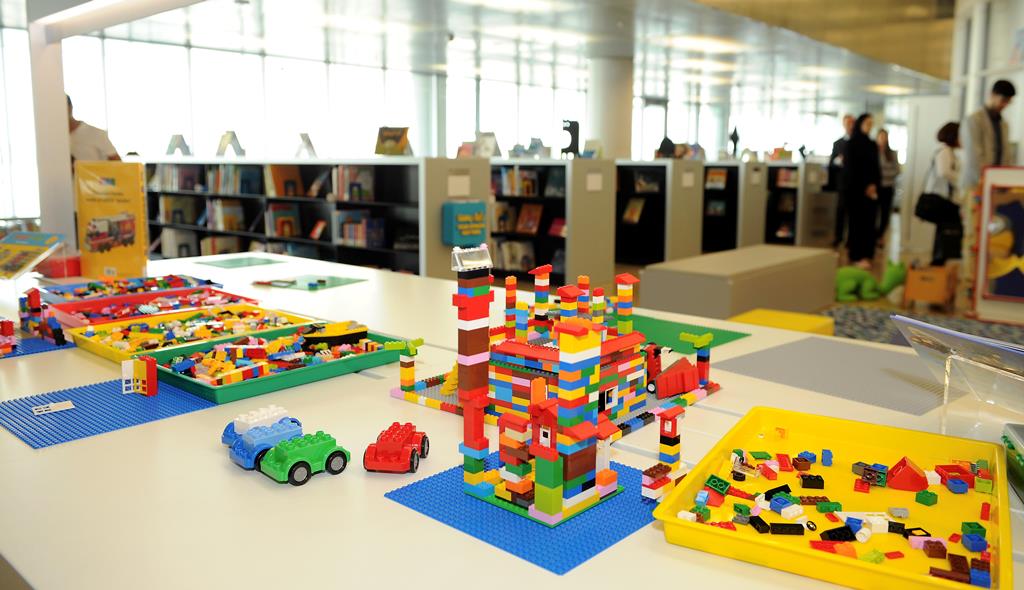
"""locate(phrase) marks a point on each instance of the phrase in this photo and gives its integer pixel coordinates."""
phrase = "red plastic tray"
(65, 312)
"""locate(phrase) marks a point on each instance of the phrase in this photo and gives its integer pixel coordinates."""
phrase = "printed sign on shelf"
(112, 225)
(464, 223)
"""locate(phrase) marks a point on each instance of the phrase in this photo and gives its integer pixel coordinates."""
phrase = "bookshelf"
(798, 210)
(735, 195)
(532, 199)
(378, 212)
(668, 195)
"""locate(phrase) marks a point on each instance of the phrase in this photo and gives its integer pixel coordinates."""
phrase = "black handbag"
(935, 208)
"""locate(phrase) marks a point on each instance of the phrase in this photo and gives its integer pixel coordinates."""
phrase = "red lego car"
(397, 450)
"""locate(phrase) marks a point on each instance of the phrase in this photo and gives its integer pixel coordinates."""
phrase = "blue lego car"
(247, 449)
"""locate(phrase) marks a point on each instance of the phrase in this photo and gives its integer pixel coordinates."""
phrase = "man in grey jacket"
(984, 136)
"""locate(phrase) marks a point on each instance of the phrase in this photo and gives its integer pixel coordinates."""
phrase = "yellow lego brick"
(501, 492)
(671, 450)
(571, 510)
(474, 478)
(787, 320)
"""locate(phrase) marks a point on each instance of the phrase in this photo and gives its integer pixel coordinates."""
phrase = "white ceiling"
(680, 49)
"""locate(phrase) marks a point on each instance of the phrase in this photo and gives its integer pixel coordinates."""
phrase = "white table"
(161, 506)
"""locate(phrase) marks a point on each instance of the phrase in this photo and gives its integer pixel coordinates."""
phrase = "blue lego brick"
(826, 458)
(667, 458)
(570, 449)
(778, 503)
(981, 578)
(27, 346)
(809, 456)
(589, 363)
(558, 549)
(419, 386)
(957, 486)
(473, 453)
(974, 542)
(702, 497)
(99, 408)
(625, 305)
(245, 448)
(879, 467)
(482, 489)
(703, 354)
(855, 524)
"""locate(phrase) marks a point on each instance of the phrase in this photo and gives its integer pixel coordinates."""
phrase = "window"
(460, 113)
(354, 110)
(295, 92)
(545, 436)
(19, 180)
(224, 85)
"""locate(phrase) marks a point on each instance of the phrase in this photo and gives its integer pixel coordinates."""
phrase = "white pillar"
(53, 148)
(610, 105)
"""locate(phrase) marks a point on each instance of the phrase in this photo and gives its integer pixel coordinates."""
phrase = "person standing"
(835, 165)
(942, 180)
(889, 164)
(88, 142)
(858, 188)
(985, 136)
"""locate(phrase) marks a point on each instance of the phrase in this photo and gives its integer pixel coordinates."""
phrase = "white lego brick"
(933, 478)
(686, 515)
(762, 502)
(792, 511)
(509, 476)
(586, 495)
(259, 417)
(863, 534)
(517, 436)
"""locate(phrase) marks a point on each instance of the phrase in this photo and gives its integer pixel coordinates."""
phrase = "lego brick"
(949, 575)
(957, 486)
(813, 482)
(974, 542)
(759, 524)
(972, 528)
(934, 549)
(801, 464)
(896, 527)
(927, 498)
(894, 555)
(785, 528)
(958, 563)
(983, 485)
(899, 512)
(579, 463)
(842, 533)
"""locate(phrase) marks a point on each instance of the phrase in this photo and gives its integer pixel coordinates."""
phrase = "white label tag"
(595, 181)
(458, 186)
(54, 407)
(689, 179)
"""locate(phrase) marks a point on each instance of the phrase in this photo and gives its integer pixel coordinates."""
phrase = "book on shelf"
(188, 178)
(174, 177)
(357, 228)
(184, 210)
(301, 250)
(644, 183)
(393, 141)
(529, 218)
(231, 179)
(355, 183)
(503, 182)
(282, 220)
(788, 178)
(516, 255)
(715, 178)
(219, 245)
(505, 217)
(177, 243)
(319, 185)
(555, 182)
(528, 181)
(558, 227)
(407, 241)
(318, 229)
(228, 215)
(634, 208)
(283, 180)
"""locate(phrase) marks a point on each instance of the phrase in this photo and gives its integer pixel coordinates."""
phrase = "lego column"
(568, 306)
(583, 282)
(473, 302)
(541, 288)
(407, 371)
(510, 307)
(703, 365)
(624, 302)
(598, 309)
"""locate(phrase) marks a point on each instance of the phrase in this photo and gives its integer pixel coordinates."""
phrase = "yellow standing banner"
(112, 226)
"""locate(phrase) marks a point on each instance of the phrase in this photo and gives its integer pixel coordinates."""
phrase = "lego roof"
(530, 351)
(542, 270)
(626, 279)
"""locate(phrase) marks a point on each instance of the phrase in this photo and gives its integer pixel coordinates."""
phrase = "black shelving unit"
(721, 208)
(781, 209)
(643, 242)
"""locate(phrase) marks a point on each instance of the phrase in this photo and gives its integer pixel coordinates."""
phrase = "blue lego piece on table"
(826, 458)
(981, 578)
(28, 346)
(246, 447)
(558, 549)
(855, 524)
(99, 408)
(974, 542)
(957, 486)
(778, 503)
(702, 497)
(809, 456)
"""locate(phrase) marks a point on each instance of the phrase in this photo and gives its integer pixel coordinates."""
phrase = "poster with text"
(21, 251)
(111, 203)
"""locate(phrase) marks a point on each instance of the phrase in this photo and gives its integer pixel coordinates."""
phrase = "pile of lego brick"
(112, 287)
(205, 324)
(120, 311)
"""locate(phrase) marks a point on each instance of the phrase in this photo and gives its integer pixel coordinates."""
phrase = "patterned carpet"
(873, 323)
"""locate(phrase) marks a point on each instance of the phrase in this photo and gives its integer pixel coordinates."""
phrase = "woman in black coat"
(858, 183)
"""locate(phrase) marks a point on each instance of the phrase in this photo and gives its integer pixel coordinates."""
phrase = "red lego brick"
(827, 546)
(986, 510)
(861, 486)
(767, 472)
(954, 538)
(784, 463)
(832, 517)
(714, 498)
(986, 556)
(894, 555)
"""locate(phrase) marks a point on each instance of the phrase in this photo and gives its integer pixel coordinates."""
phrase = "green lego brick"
(702, 511)
(873, 556)
(972, 528)
(718, 484)
(927, 498)
(578, 481)
(741, 509)
(547, 500)
(521, 470)
(760, 455)
(549, 473)
(982, 463)
(983, 486)
(472, 465)
(565, 422)
(829, 507)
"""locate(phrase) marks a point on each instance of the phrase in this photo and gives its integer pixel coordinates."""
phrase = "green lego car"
(296, 460)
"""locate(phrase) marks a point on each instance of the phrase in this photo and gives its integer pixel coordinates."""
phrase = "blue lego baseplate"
(99, 408)
(558, 549)
(34, 346)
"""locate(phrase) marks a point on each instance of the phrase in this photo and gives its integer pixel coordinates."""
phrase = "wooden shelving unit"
(670, 225)
(580, 192)
(798, 210)
(403, 208)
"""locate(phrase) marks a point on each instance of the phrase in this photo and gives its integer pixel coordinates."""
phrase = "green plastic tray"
(222, 394)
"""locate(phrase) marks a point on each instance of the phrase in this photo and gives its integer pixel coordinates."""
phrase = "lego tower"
(473, 299)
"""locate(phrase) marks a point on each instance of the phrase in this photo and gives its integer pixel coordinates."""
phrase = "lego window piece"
(464, 259)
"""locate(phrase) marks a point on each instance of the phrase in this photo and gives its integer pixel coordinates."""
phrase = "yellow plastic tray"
(850, 442)
(94, 346)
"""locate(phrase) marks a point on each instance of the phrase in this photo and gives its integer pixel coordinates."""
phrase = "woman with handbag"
(939, 203)
(858, 184)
